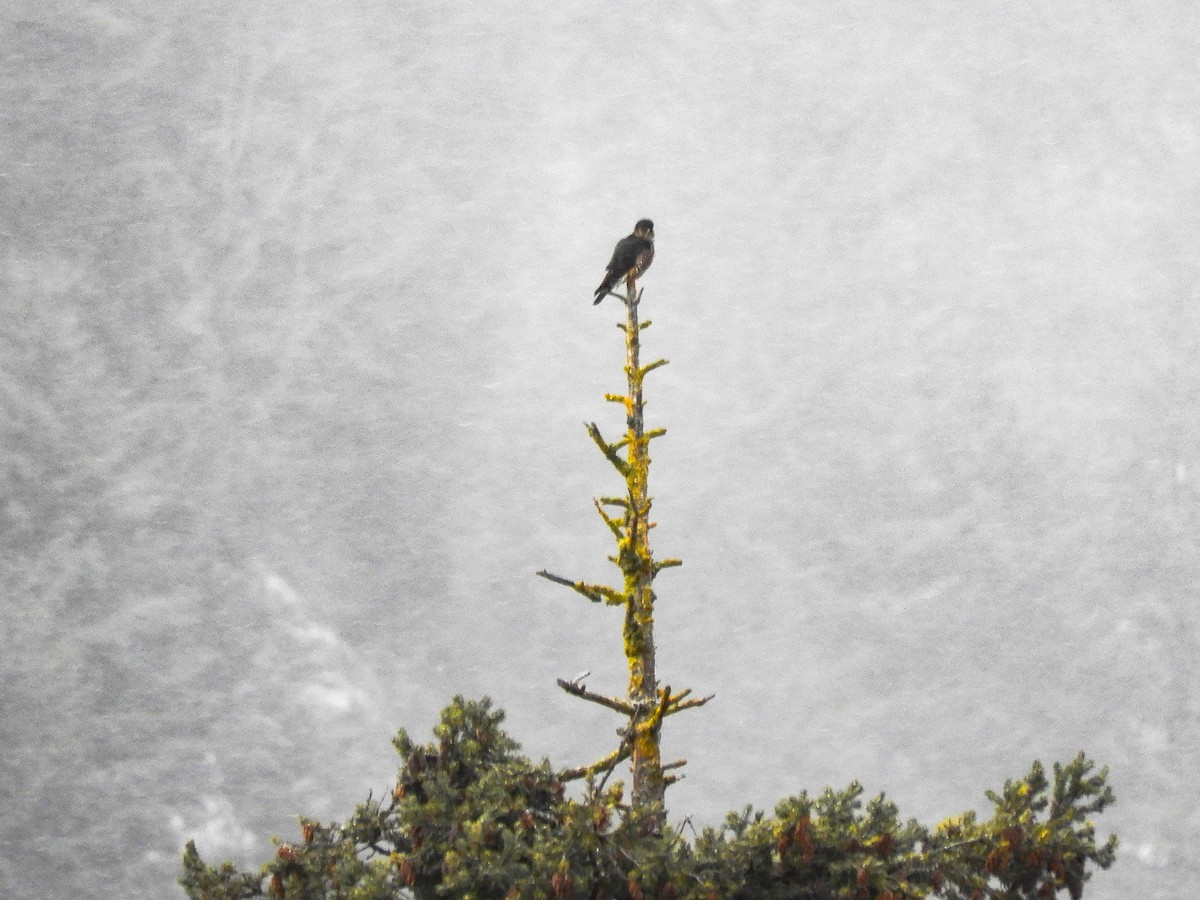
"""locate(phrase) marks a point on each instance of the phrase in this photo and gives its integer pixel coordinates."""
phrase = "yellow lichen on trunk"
(629, 521)
(639, 570)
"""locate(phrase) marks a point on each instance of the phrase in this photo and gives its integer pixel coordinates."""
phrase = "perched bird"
(630, 259)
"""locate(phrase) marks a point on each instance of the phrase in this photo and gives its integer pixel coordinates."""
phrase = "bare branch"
(679, 705)
(613, 525)
(609, 450)
(597, 593)
(557, 579)
(578, 690)
(607, 764)
(654, 720)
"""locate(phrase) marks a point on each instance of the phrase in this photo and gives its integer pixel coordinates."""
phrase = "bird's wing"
(625, 255)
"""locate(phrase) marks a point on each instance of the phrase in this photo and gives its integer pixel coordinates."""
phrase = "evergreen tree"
(470, 817)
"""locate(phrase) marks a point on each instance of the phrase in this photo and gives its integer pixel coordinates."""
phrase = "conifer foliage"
(470, 817)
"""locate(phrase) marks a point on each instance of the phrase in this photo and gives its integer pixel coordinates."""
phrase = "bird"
(630, 259)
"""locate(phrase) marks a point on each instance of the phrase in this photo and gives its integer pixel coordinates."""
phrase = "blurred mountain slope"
(296, 307)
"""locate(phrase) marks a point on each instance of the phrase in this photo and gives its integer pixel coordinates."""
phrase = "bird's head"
(644, 229)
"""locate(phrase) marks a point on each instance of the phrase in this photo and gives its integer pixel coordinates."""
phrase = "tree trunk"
(646, 722)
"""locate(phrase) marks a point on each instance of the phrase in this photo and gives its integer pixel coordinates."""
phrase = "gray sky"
(300, 342)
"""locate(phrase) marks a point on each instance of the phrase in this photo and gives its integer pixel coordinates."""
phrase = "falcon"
(630, 259)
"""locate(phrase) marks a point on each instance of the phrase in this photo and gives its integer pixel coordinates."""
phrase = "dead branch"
(578, 690)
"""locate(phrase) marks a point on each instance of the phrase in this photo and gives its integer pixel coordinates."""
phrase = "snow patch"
(218, 833)
(1150, 855)
(312, 633)
(333, 695)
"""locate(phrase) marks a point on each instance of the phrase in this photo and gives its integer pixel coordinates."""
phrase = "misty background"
(297, 345)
